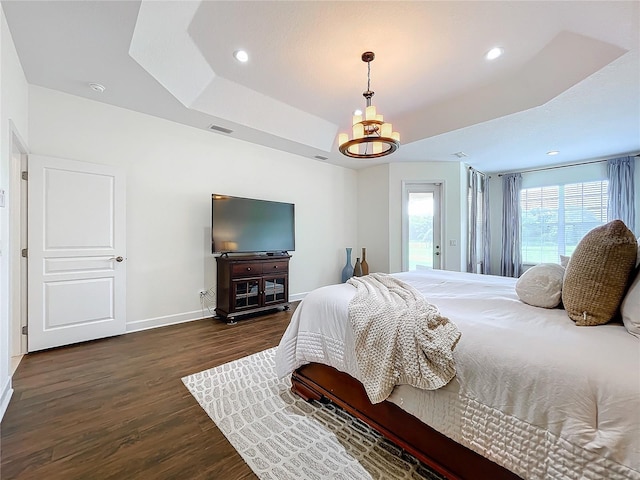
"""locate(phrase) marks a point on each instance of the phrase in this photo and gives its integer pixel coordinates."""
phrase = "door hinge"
(24, 252)
(25, 175)
(25, 330)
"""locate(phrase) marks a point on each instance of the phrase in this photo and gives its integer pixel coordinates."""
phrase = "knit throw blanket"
(400, 338)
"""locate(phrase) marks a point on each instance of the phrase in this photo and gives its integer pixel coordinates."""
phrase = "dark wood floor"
(117, 408)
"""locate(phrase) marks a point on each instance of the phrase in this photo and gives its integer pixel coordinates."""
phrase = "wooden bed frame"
(452, 460)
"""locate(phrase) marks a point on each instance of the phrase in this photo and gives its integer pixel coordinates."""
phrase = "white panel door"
(76, 252)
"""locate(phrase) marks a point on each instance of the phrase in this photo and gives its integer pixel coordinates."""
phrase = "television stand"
(250, 284)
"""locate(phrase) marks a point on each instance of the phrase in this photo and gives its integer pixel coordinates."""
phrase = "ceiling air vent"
(217, 128)
(320, 157)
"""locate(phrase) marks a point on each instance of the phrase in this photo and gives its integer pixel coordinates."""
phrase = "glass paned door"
(421, 226)
(246, 293)
(274, 290)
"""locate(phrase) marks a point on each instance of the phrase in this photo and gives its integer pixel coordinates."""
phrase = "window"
(555, 218)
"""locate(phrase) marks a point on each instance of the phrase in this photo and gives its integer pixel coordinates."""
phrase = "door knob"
(117, 259)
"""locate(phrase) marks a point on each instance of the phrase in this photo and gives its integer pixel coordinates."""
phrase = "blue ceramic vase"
(347, 271)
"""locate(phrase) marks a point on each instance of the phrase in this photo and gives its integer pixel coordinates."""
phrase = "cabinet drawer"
(246, 269)
(275, 267)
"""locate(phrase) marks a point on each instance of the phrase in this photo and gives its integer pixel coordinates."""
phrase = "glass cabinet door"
(246, 293)
(274, 290)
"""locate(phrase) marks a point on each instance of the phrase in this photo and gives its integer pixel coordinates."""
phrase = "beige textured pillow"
(541, 285)
(597, 275)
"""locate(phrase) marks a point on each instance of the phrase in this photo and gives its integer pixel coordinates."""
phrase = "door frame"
(423, 186)
(17, 241)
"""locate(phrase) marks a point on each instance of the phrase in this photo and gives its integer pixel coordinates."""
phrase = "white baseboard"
(297, 297)
(7, 392)
(15, 361)
(146, 324)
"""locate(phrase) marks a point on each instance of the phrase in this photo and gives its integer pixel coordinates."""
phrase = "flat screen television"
(246, 225)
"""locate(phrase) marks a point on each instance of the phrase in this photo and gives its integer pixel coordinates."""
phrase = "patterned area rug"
(282, 437)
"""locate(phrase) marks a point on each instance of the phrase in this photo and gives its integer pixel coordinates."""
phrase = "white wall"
(373, 214)
(376, 220)
(172, 170)
(580, 173)
(13, 115)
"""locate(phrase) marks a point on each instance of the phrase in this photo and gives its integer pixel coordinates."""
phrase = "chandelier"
(372, 137)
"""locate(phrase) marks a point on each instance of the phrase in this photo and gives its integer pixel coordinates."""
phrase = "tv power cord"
(208, 301)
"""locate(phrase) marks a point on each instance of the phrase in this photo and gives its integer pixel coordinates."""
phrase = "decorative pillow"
(541, 286)
(630, 307)
(597, 275)
(564, 260)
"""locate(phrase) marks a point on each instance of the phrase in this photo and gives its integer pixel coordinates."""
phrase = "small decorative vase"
(347, 271)
(357, 269)
(364, 264)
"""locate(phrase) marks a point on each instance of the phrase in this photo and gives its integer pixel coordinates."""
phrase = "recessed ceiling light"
(553, 152)
(96, 87)
(460, 154)
(241, 55)
(357, 111)
(494, 53)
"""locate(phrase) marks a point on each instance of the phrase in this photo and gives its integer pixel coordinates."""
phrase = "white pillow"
(541, 285)
(630, 307)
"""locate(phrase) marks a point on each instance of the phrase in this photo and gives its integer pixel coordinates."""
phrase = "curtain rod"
(469, 167)
(565, 166)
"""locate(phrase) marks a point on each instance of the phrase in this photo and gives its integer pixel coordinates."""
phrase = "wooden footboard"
(454, 461)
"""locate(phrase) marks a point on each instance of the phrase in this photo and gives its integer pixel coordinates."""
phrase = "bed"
(534, 396)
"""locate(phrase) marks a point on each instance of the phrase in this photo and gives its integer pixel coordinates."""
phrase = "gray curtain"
(620, 204)
(486, 231)
(511, 259)
(472, 241)
(479, 239)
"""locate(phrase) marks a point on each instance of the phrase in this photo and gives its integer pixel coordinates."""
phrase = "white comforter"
(533, 392)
